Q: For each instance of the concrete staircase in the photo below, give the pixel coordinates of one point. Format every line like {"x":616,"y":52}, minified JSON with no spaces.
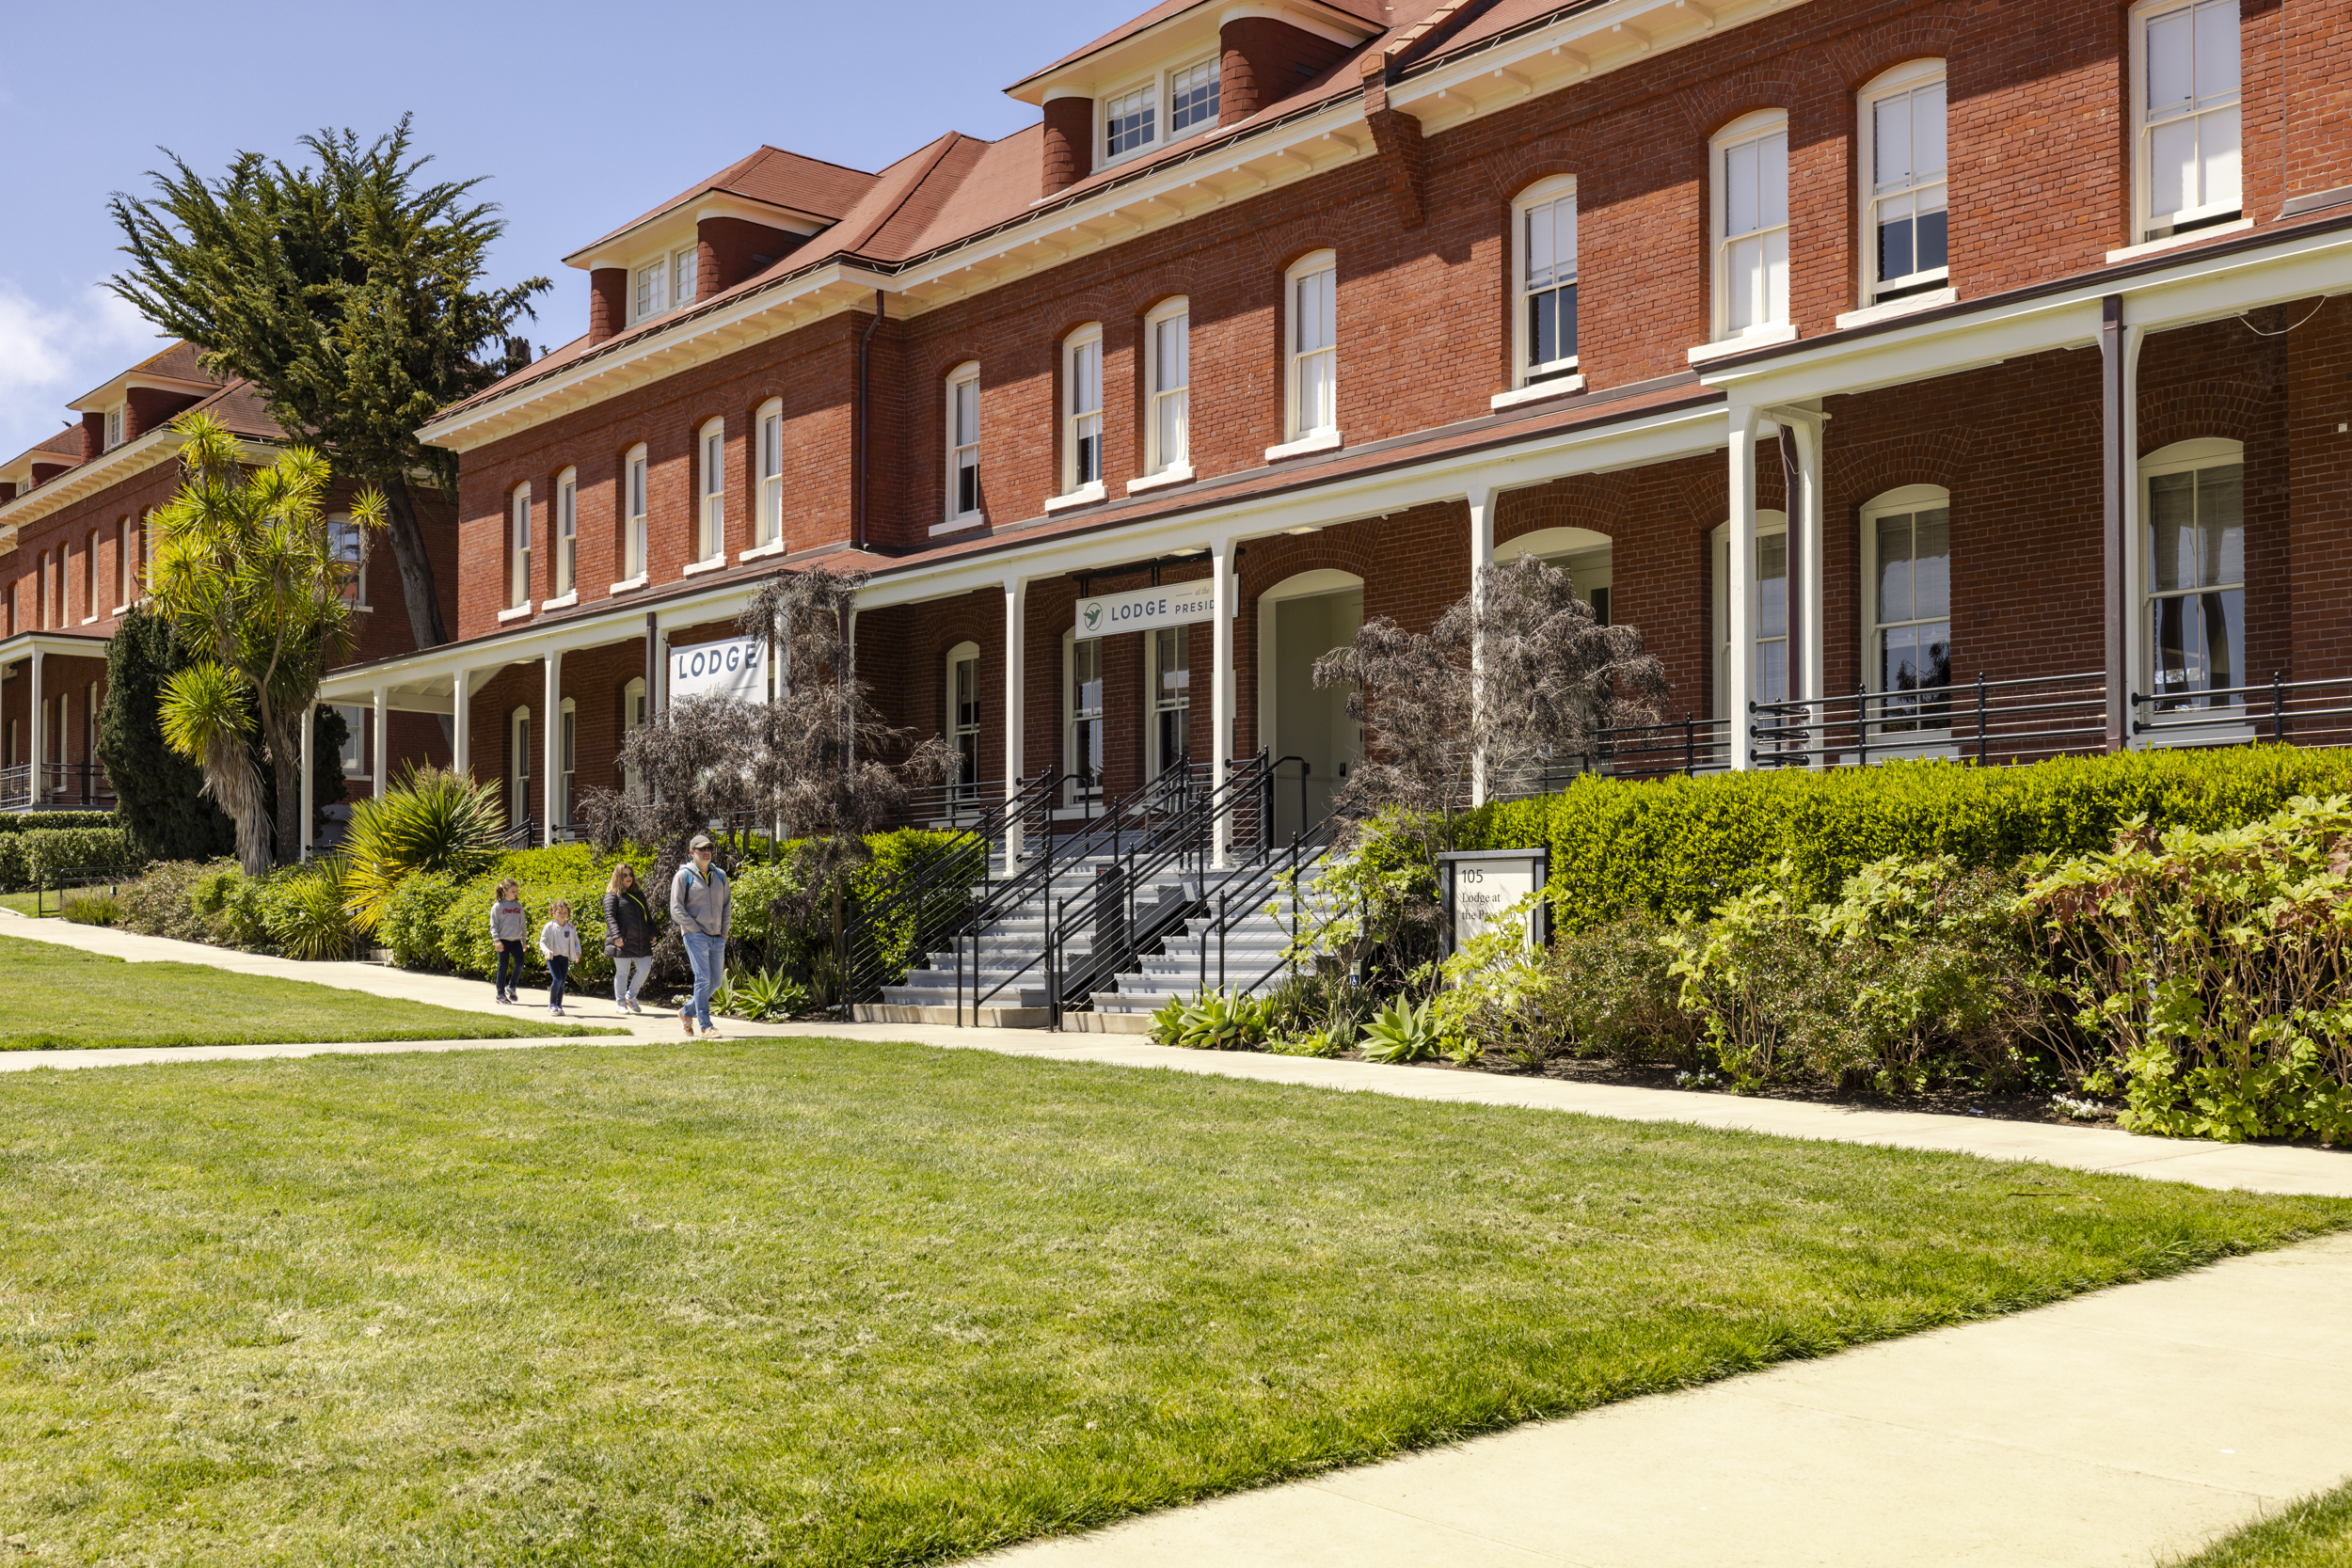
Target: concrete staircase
{"x":1253,"y":946}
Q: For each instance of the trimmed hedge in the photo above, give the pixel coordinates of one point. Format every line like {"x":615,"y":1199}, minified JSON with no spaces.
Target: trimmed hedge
{"x":22,"y":821}
{"x":1690,"y":844}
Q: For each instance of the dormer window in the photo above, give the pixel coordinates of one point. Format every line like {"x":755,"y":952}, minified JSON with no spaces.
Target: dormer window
{"x":664,"y":285}
{"x":114,"y":428}
{"x":1185,"y":99}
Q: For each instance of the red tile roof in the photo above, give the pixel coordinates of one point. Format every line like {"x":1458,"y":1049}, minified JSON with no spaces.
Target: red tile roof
{"x":1372,"y":13}
{"x":774,"y":178}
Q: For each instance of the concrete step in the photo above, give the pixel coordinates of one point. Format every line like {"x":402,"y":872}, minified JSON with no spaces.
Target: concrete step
{"x":945,"y":996}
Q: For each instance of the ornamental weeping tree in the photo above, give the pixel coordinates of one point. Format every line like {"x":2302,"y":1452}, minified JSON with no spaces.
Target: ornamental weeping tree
{"x":250,"y":580}
{"x":349,"y":295}
{"x":1553,"y":678}
{"x":828,"y":769}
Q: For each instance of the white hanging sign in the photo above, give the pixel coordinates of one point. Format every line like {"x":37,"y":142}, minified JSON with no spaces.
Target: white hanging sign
{"x":1179,"y":604}
{"x":735,"y":668}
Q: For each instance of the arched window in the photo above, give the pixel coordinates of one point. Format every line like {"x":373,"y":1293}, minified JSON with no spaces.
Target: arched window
{"x":711,"y":511}
{"x":1904,"y":235}
{"x":1169,"y":673}
{"x":1082,"y":716}
{"x":962,"y":697}
{"x":634,"y":480}
{"x":769,"y":529}
{"x":1168,"y":381}
{"x":1768,"y":616}
{"x":1750,"y":159}
{"x":566,"y":750}
{"x":1585,"y":556}
{"x":1907,"y":607}
{"x":518,"y":768}
{"x":632,"y":720}
{"x":964,"y":499}
{"x":1082,"y":412}
{"x":1312,"y":337}
{"x":1542,"y":235}
{"x":518,"y":550}
{"x":2192,"y":572}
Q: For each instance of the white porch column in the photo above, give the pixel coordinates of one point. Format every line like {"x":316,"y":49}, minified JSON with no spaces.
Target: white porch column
{"x":2136,"y":656}
{"x":1808,"y":678}
{"x":461,"y":724}
{"x":310,"y":768}
{"x":1016,"y":679}
{"x":380,"y":719}
{"x":1221,"y":686}
{"x":1482,"y":556}
{"x":39,"y":759}
{"x":551,"y":745}
{"x":1740,"y":586}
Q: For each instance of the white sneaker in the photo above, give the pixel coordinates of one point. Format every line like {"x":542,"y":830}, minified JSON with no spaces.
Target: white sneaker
{"x":712,"y":1035}
{"x":557,"y":1012}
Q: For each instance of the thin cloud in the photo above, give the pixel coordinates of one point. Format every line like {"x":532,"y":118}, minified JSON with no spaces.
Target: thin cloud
{"x":53,"y":351}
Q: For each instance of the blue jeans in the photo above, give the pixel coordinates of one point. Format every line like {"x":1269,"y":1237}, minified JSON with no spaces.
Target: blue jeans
{"x":559,"y":968}
{"x":628,"y":974}
{"x":707,"y":954}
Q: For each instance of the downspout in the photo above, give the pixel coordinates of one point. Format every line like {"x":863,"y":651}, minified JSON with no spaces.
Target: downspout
{"x":864,"y":344}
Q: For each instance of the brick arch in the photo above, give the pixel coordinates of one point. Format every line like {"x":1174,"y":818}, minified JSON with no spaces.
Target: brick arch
{"x":1778,"y":83}
{"x":2231,"y":407}
{"x":1598,"y":502}
{"x":1865,"y":53}
{"x":1854,"y":474}
{"x":1512,"y":170}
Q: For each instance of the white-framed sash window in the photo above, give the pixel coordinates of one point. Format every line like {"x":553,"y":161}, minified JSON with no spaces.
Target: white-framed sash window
{"x":1311,"y":293}
{"x":1083,"y":717}
{"x":1171,"y":674}
{"x":1168,"y":372}
{"x":1768,"y":616}
{"x":346,"y":542}
{"x":1082,"y":410}
{"x":665,"y":283}
{"x":632,"y":720}
{"x":1193,"y":93}
{"x":2186,"y":103}
{"x":567,"y":757}
{"x":113,"y":427}
{"x":1752,"y":225}
{"x":963,"y":717}
{"x":354,"y":753}
{"x":1905,"y":221}
{"x":2193,"y":574}
{"x":633,"y":486}
{"x":566,"y":531}
{"x":771,"y":472}
{"x":518,"y":549}
{"x":1545,"y":239}
{"x":963,"y":443}
{"x":519,"y":771}
{"x":1907,"y":585}
{"x":1131,"y":121}
{"x":712,"y":511}
{"x":126,"y":574}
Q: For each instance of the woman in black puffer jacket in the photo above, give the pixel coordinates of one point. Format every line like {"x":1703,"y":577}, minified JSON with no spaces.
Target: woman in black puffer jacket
{"x":627,"y":935}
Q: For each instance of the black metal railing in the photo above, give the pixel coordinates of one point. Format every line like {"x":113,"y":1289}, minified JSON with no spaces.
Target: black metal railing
{"x":56,"y":786}
{"x":1247,"y":890}
{"x":2020,"y":719}
{"x":929,"y":906}
{"x":2300,"y":713}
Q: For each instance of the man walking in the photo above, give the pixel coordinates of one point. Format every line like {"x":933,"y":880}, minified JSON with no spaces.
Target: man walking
{"x":701,"y":903}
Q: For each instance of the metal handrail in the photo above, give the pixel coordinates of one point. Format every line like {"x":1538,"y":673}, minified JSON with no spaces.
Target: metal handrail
{"x":2285,"y":708}
{"x":863,"y":961}
{"x":2026,"y":716}
{"x":1259,"y":882}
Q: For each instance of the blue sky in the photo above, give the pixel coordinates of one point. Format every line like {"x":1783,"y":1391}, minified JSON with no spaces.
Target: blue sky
{"x":583,"y":115}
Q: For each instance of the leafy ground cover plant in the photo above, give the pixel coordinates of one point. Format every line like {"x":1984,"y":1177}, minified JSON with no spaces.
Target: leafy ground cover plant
{"x":2215,"y":971}
{"x":1405,"y":1031}
{"x":1212,"y":1021}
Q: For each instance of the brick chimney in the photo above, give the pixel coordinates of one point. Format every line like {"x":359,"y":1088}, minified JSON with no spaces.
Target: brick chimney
{"x":1264,"y":62}
{"x":608,"y":302}
{"x":1069,"y":142}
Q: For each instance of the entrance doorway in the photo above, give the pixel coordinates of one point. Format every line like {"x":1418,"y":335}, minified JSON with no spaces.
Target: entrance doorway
{"x":1581,"y":553}
{"x":1299,"y":620}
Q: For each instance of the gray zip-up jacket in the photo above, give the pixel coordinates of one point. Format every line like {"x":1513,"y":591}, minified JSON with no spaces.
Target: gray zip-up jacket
{"x":702,"y":906}
{"x":507,"y":920}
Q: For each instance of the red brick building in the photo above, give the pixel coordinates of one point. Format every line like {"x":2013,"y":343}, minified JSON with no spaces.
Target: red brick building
{"x":1850,"y":349}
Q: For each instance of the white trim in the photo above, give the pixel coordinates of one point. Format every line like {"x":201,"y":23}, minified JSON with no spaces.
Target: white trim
{"x":1181,"y":474}
{"x":519,"y":546}
{"x":1902,"y":80}
{"x":517,"y":614}
{"x":2190,"y":456}
{"x":628,"y":585}
{"x":1904,"y":500}
{"x":710,"y":492}
{"x":958,"y":515}
{"x":1081,"y":373}
{"x":564,"y":527}
{"x":957,"y":525}
{"x":1085,"y":495}
{"x":1322,"y":441}
{"x":760,"y":553}
{"x":1759,"y":131}
{"x":696,"y":568}
{"x":1763,"y":337}
{"x":564,"y":603}
{"x":768,"y":476}
{"x":1296,"y":361}
{"x":636,"y":539}
{"x":1156,"y":460}
{"x":1908,"y":305}
{"x":2143,"y":216}
{"x":2171,"y":241}
{"x":1543,"y":192}
{"x":1537,"y":392}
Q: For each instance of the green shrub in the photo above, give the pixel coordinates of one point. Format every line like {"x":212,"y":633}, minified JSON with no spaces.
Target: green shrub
{"x":49,"y":851}
{"x":91,"y":906}
{"x":409,"y":925}
{"x":2214,"y":970}
{"x":22,"y":821}
{"x":160,"y":904}
{"x":567,"y":871}
{"x":305,"y":912}
{"x":1680,"y":845}
{"x":431,"y":821}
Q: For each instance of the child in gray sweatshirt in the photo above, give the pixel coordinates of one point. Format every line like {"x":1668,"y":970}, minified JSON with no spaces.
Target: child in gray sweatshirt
{"x":558,"y":943}
{"x":508,"y":923}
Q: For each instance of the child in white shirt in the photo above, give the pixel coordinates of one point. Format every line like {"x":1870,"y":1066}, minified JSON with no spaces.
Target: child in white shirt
{"x":558,"y":943}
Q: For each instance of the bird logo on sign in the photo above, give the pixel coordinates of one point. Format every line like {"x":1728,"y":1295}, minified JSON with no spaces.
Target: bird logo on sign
{"x":1093,"y":616}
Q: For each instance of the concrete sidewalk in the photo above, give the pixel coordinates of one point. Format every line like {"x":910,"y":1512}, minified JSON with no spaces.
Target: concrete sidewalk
{"x":2255,"y":1167}
{"x":2111,"y":1431}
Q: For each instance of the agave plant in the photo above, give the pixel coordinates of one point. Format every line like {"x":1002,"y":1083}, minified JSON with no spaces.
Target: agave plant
{"x":761,"y":997}
{"x":431,"y":819}
{"x":308,"y":919}
{"x":1405,"y":1033}
{"x":1212,"y":1021}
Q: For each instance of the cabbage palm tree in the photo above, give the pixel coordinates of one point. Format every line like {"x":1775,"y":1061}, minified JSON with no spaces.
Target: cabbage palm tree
{"x":245,"y":573}
{"x":431,"y":819}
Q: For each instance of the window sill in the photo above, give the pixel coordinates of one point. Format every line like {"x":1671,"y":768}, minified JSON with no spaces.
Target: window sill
{"x":1085,"y":495}
{"x":627,"y":585}
{"x":761,"y":552}
{"x":1895,"y":307}
{"x":120,"y":610}
{"x":2224,"y":727}
{"x":957,"y":525}
{"x":696,"y":568}
{"x":1537,"y":392}
{"x":2173,"y":242}
{"x":1755,"y":337}
{"x":564,"y":603}
{"x":1321,"y":440}
{"x":1175,"y":473}
{"x":519,"y":613}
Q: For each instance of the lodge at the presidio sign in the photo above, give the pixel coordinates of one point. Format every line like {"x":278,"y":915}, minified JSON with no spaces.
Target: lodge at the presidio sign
{"x":1179,"y":604}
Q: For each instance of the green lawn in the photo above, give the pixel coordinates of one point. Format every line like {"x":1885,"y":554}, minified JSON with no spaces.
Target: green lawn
{"x":798,"y":1302}
{"x":55,"y":998}
{"x":2314,"y":1532}
{"x":22,"y":903}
